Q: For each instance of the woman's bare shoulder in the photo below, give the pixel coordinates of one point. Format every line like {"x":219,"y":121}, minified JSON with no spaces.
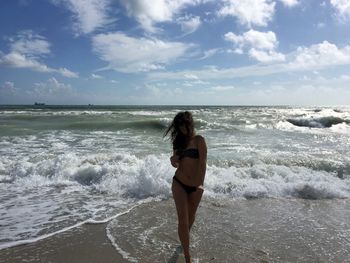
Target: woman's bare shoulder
{"x":199,"y":138}
{"x":200,"y":141}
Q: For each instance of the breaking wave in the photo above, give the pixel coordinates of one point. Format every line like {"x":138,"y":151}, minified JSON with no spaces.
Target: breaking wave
{"x":322,"y":122}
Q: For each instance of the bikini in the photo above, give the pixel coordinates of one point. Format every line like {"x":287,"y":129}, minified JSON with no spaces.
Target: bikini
{"x":191,"y":153}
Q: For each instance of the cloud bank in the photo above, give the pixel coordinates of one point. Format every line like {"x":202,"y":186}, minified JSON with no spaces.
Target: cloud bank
{"x":128,"y":54}
{"x":259,"y":45}
{"x":149,"y":13}
{"x":87,"y":16}
{"x":27,"y":50}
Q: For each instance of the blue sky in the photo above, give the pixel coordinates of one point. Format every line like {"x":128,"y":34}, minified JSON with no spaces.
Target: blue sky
{"x":183,"y":52}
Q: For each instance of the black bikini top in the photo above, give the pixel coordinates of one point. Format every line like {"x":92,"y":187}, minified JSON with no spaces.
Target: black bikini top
{"x":191,"y":153}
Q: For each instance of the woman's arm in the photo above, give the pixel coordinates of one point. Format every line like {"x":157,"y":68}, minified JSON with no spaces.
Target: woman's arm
{"x":174,"y":160}
{"x":202,"y":162}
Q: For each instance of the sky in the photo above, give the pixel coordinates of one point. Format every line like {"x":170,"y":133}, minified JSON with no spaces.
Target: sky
{"x":175,"y":52}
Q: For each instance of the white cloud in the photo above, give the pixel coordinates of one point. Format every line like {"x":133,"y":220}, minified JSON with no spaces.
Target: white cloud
{"x":189,"y":24}
{"x":192,"y":80}
{"x":171,"y":96}
{"x":344,"y":77}
{"x":51,"y":91}
{"x":67,"y":73}
{"x":211,"y":52}
{"x":30,"y":44}
{"x":278,"y":92}
{"x":88,"y":15}
{"x":320,"y":25}
{"x":8,"y":87}
{"x":51,"y":87}
{"x":249,"y":12}
{"x":95,"y":76}
{"x":316,"y":57}
{"x":319,"y":56}
{"x":26,"y":51}
{"x":8,"y":93}
{"x":302,"y":94}
{"x":260,"y":45}
{"x":128,"y":54}
{"x":17,"y":60}
{"x":342,"y":7}
{"x":191,"y":76}
{"x":256,"y":39}
{"x":222,"y":88}
{"x":266,"y":55}
{"x":290,"y":3}
{"x":193,"y":83}
{"x":148,"y":13}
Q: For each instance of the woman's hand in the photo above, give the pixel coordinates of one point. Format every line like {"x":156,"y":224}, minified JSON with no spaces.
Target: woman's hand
{"x":174,"y":160}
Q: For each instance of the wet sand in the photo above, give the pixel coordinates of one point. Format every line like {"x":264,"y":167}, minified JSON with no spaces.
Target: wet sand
{"x":87,"y":243}
{"x":258,"y":230}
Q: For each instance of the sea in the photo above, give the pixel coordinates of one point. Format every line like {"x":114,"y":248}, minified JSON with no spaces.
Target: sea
{"x":65,"y":166}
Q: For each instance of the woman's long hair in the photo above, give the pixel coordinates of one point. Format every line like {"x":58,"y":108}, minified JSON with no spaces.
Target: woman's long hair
{"x":178,"y":139}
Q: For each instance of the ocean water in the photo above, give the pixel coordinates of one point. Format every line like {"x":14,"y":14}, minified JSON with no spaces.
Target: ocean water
{"x":64,"y":166}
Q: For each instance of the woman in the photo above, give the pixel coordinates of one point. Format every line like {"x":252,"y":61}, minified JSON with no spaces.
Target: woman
{"x":189,"y":157}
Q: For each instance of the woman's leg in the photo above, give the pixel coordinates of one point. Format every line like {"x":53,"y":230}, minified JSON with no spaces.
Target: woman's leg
{"x":180,"y":198}
{"x":193,"y":202}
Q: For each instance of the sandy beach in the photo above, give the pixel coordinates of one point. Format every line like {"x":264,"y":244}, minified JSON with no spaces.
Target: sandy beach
{"x":258,"y":230}
{"x":87,"y":243}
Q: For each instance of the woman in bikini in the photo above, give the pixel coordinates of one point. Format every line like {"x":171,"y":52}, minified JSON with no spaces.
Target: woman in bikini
{"x":189,"y":157}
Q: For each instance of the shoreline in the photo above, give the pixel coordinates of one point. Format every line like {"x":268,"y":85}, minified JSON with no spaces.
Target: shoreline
{"x":236,"y":230}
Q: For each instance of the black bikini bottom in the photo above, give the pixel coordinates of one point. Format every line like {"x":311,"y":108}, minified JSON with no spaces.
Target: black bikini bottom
{"x":188,"y":189}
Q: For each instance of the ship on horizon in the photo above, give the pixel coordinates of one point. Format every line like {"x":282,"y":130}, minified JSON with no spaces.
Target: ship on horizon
{"x":39,"y":104}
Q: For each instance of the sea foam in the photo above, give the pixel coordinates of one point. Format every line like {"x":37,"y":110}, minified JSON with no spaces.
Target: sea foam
{"x":59,"y":168}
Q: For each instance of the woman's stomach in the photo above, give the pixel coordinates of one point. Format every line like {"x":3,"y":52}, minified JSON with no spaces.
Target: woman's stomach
{"x":186,"y":173}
